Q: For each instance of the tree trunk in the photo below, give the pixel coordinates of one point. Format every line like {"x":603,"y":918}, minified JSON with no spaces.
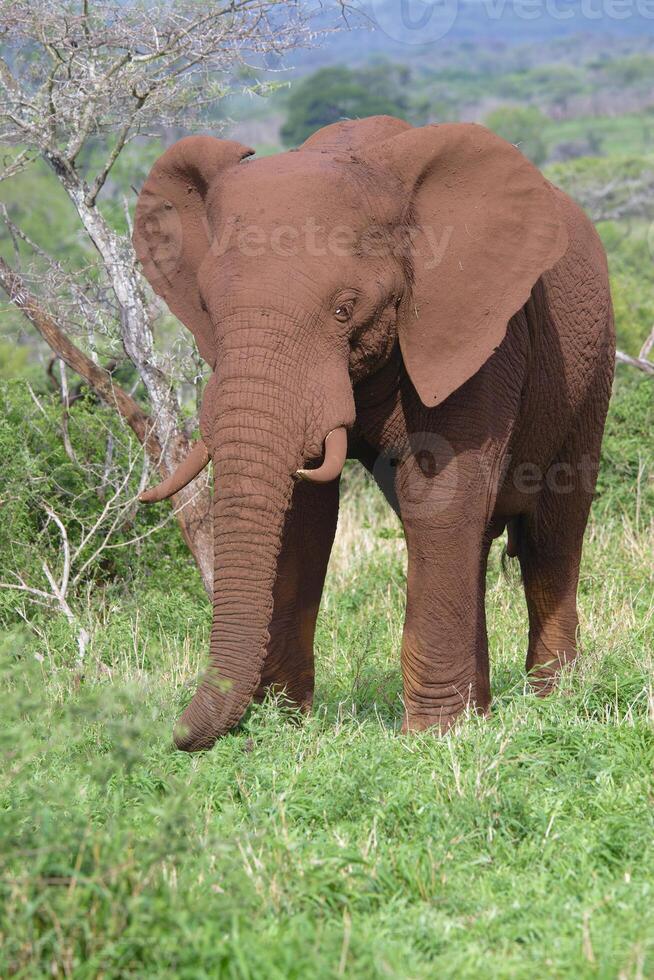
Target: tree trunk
{"x":193,"y":507}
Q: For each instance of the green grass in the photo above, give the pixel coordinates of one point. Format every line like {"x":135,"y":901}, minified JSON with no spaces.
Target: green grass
{"x":520,"y":846}
{"x":624,"y":135}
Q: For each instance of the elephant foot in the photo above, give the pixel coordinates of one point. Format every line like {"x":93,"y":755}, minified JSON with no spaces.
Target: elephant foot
{"x":296,"y":693}
{"x":440,"y":722}
{"x":422,"y":713}
{"x":544,"y":668}
{"x":441,"y":725}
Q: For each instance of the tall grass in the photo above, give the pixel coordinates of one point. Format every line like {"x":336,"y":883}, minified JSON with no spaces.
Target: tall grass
{"x":517,"y":846}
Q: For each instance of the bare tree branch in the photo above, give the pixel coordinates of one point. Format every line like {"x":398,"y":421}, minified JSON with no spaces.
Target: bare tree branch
{"x":192,"y":506}
{"x":647,"y":346}
{"x":118,"y":146}
{"x":99,"y":379}
{"x":58,"y":594}
{"x":638,"y":362}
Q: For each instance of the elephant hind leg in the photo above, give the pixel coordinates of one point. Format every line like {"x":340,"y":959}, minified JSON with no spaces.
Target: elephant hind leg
{"x":482,"y":672}
{"x":549,"y":548}
{"x":550,"y":582}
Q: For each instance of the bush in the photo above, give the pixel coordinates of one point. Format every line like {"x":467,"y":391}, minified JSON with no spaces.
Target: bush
{"x":626,"y":478}
{"x":331,"y":94}
{"x":522,"y":126}
{"x":41,"y":479}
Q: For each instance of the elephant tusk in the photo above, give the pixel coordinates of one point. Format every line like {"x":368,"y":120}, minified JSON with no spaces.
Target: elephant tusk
{"x":187,"y":470}
{"x":334,"y":461}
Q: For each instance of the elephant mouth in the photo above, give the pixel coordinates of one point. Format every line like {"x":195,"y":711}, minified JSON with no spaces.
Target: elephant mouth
{"x":335,"y":453}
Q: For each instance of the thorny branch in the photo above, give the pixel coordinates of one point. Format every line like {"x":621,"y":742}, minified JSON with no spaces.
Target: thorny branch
{"x":99,"y":379}
{"x":83,"y":79}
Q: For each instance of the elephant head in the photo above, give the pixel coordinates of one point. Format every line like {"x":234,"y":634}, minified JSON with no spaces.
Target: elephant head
{"x":298,"y":274}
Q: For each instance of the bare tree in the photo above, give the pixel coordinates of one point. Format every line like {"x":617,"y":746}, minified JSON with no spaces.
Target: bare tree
{"x":80,"y":80}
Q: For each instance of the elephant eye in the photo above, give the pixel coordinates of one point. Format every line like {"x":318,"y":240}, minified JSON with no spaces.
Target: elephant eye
{"x":343,"y":311}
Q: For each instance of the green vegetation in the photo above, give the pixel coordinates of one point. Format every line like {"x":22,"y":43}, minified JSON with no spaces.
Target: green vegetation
{"x":632,"y":281}
{"x":624,"y":134}
{"x":625,"y":486}
{"x":516,"y":846}
{"x":523,"y":126}
{"x":549,"y":104}
{"x":337,"y":93}
{"x":631,"y":69}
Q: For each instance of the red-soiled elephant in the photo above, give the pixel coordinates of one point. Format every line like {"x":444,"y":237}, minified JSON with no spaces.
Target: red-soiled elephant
{"x":420,"y":299}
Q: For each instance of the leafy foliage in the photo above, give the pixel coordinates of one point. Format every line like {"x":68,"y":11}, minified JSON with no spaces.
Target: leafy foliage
{"x":626,"y":481}
{"x":337,"y":93}
{"x":609,"y":188}
{"x":631,"y":267}
{"x":522,"y":126}
{"x":39,"y":476}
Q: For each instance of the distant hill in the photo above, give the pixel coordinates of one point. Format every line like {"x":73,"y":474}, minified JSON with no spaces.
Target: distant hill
{"x":398,"y":29}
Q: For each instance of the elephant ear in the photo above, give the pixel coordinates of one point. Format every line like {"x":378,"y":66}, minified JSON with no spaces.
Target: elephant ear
{"x":354,"y":134}
{"x":484,"y":225}
{"x":171,"y":232}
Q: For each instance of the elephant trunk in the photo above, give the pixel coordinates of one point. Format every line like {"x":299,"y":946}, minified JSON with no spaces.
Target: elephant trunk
{"x":257,"y":446}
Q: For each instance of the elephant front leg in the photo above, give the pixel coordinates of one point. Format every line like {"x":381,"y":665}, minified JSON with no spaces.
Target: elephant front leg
{"x":444,"y":647}
{"x":306,"y":545}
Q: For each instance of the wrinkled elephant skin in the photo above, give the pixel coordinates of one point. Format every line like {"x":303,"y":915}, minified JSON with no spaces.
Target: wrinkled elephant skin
{"x":424,"y":301}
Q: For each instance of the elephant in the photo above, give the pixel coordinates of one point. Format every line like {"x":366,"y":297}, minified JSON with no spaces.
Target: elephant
{"x":420,"y":299}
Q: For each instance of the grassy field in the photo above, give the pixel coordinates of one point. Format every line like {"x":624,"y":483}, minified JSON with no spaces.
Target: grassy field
{"x":618,"y":135}
{"x":519,"y":846}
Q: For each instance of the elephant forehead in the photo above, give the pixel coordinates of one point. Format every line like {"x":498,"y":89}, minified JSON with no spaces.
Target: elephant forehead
{"x":290,"y":187}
